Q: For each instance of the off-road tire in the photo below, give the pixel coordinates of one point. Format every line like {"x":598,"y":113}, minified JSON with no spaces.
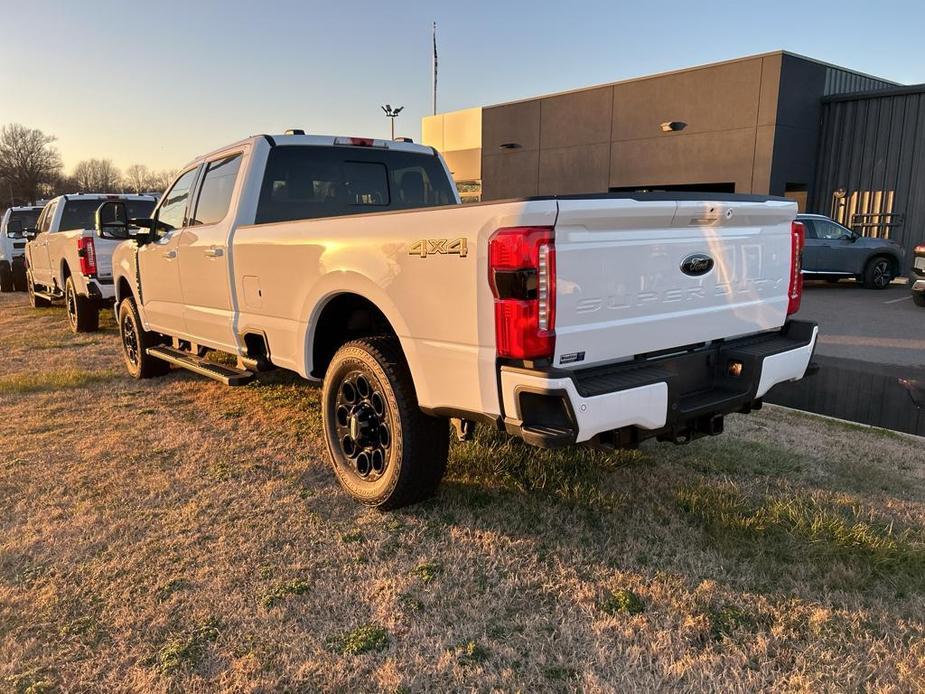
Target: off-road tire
{"x":415,"y":458}
{"x":878,"y":273}
{"x":6,"y":277}
{"x":137,"y":360}
{"x":919,"y":299}
{"x":19,"y":277}
{"x":35,"y":301}
{"x":83,"y":314}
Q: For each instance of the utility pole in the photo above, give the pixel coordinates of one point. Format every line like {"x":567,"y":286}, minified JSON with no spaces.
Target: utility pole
{"x":392,"y":114}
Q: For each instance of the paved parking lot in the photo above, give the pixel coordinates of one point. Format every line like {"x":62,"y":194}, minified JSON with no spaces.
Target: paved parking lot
{"x":884,"y":327}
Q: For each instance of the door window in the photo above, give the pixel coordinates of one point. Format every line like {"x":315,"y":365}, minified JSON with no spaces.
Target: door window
{"x":216,"y":190}
{"x":831,"y":231}
{"x":47,"y":215}
{"x":172,"y":211}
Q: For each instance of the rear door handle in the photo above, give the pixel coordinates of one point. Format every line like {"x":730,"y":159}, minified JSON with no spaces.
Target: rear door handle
{"x":170,"y":255}
{"x":215,"y":252}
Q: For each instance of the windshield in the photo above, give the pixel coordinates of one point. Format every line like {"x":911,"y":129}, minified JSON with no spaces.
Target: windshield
{"x":81,"y":214}
{"x":20,"y":220}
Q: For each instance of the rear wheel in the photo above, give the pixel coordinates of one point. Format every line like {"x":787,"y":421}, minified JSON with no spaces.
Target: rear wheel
{"x":34,"y":301}
{"x":879,"y":273}
{"x":135,"y":342}
{"x":6,"y":277}
{"x":385,"y":452}
{"x":83,"y":314}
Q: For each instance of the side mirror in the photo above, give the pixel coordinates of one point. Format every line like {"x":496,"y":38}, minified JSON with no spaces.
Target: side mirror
{"x":112,"y":220}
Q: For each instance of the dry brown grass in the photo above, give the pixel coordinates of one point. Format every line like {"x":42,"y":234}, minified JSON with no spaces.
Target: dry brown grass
{"x":174,"y":535}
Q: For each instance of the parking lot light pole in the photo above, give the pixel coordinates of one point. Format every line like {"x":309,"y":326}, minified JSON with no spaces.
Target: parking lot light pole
{"x":392,"y":114}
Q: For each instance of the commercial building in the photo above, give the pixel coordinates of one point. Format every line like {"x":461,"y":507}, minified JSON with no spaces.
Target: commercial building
{"x":837,"y":141}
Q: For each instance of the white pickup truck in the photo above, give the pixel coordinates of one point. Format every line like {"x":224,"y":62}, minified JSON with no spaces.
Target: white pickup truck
{"x":65,"y":260}
{"x":603,"y":319}
{"x":13,"y":226}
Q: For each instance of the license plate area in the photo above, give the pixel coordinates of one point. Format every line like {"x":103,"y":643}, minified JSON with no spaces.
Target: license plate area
{"x":920,"y":264}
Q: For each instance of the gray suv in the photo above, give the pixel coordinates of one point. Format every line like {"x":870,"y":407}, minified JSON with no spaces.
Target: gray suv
{"x":834,"y":252}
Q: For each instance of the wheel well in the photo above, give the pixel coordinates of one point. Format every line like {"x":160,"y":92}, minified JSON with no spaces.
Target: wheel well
{"x":123,"y":289}
{"x":345,"y":317}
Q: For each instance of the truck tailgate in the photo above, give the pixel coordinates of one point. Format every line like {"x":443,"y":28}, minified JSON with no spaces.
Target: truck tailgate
{"x":621,"y":290}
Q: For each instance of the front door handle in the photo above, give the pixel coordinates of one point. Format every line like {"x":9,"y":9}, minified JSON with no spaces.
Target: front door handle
{"x":215,"y":252}
{"x":170,"y":255}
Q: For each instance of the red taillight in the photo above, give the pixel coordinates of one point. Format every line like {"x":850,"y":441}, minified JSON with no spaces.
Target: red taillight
{"x":86,"y":251}
{"x":795,"y":291}
{"x":522,"y":273}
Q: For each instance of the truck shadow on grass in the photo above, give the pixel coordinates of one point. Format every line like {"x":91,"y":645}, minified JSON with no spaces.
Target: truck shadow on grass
{"x":742,"y":512}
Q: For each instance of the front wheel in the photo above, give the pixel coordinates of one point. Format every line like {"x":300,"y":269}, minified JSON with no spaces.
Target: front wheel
{"x":879,"y":273}
{"x":6,"y":277}
{"x":135,"y":343}
{"x":83,"y":314}
{"x":385,"y":451}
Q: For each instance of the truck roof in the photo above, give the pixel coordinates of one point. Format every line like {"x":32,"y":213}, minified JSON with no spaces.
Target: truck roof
{"x":322,"y":141}
{"x":103,"y":196}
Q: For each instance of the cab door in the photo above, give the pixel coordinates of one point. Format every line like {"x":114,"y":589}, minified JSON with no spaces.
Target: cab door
{"x":158,"y":264}
{"x":37,"y":249}
{"x":205,"y":254}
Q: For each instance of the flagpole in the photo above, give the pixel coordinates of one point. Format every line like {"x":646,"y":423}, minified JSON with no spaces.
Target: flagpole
{"x":435,"y":70}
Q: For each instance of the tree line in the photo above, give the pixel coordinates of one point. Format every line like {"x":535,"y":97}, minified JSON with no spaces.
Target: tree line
{"x":31,"y":169}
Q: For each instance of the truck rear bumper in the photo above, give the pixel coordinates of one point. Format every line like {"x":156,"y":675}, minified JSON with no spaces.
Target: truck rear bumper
{"x":676,"y":397}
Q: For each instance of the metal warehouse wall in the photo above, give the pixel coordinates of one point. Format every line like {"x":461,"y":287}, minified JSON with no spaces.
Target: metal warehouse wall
{"x":870,"y":172}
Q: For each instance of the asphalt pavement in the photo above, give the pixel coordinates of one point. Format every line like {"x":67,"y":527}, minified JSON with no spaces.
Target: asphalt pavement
{"x":884,"y":327}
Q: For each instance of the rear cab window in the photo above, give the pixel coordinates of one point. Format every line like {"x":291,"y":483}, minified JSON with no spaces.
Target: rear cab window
{"x":306,"y":182}
{"x":81,"y":214}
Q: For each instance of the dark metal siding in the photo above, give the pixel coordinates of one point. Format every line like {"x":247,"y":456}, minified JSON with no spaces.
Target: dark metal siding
{"x":872,"y":147}
{"x":838,"y":81}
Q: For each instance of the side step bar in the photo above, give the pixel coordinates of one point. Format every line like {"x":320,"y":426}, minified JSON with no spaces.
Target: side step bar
{"x":228,"y":375}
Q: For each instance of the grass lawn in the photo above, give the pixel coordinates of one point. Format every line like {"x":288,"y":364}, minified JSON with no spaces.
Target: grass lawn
{"x":176,"y":535}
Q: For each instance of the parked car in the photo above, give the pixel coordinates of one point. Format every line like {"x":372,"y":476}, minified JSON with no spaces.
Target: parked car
{"x":66,"y":261}
{"x":13,"y":246}
{"x":601,"y":319}
{"x":917,"y":275}
{"x":835,"y":252}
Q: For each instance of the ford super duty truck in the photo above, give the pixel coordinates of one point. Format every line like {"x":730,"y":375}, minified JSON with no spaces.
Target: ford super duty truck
{"x":65,"y":260}
{"x":13,"y":226}
{"x":600,"y":319}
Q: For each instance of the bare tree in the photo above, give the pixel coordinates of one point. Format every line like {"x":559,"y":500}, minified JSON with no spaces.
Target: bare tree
{"x":98,"y":176}
{"x":138,"y":178}
{"x":160,"y":180}
{"x":28,"y":161}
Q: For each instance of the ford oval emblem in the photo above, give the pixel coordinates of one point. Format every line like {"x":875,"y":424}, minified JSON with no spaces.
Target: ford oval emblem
{"x":697,"y":264}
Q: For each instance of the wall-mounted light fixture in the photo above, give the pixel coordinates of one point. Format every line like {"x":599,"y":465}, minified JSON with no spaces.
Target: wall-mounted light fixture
{"x":673,"y":126}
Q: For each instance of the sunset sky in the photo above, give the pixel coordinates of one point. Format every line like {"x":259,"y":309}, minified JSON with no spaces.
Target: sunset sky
{"x":164,"y":81}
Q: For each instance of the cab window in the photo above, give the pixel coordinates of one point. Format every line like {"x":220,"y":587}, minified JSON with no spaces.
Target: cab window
{"x":216,"y":190}
{"x":172,"y":212}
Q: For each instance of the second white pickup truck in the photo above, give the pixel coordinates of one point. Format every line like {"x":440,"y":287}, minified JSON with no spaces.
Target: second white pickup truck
{"x":603,"y":319}
{"x":65,"y":259}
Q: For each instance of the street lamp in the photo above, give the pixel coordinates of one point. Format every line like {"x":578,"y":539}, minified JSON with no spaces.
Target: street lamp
{"x":392,"y":114}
